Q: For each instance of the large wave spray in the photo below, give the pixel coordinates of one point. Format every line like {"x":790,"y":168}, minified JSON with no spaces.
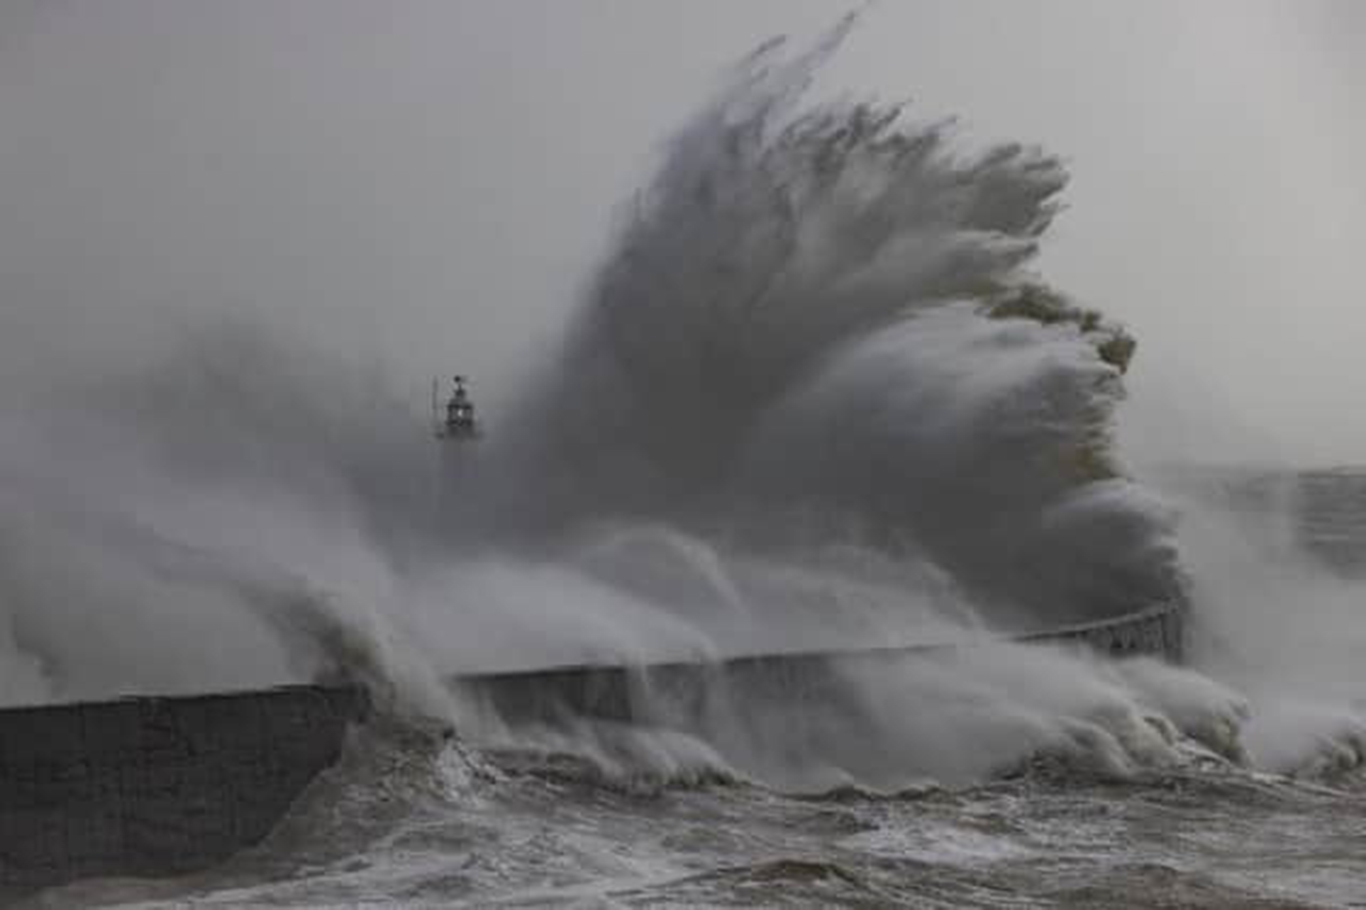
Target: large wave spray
{"x":814,"y":398}
{"x":818,"y":326}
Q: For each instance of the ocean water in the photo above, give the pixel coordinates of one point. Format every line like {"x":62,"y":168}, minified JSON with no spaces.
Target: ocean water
{"x":816,"y":396}
{"x":606,"y":817}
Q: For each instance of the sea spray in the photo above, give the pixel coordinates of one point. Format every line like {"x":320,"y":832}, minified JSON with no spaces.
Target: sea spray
{"x":829,"y":312}
{"x":815,"y":397}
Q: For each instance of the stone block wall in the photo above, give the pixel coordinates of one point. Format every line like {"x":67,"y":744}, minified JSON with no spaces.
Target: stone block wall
{"x":678,"y":694}
{"x":156,"y":786}
{"x":1157,"y":631}
{"x":160,"y":786}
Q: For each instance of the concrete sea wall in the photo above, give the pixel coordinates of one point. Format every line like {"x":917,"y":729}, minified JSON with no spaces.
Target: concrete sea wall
{"x":161,"y":786}
{"x":156,"y":786}
{"x":685,"y":694}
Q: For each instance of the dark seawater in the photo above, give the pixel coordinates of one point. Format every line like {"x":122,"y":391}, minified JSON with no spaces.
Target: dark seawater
{"x":611,"y":818}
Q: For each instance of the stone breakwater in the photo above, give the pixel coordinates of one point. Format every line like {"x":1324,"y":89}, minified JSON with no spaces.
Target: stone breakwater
{"x":163,"y":786}
{"x":684,"y":694}
{"x":156,"y":786}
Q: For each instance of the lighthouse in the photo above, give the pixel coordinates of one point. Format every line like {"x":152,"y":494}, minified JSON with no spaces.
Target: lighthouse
{"x":454,"y":458}
{"x":458,"y":422}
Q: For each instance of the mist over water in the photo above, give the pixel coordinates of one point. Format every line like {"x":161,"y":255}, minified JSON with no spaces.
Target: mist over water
{"x":815,"y":397}
{"x":1279,"y":610}
{"x":809,"y":401}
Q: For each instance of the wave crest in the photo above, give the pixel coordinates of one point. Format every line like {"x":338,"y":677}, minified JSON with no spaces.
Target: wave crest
{"x":830,"y":309}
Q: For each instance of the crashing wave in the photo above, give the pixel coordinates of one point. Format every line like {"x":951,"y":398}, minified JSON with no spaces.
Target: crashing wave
{"x":815,"y":394}
{"x":828,"y":312}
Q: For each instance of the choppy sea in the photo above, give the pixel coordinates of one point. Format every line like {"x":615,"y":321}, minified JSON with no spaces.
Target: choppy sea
{"x":415,"y":819}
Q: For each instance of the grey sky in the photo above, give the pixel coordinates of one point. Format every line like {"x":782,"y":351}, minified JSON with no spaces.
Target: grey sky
{"x":430,"y":182}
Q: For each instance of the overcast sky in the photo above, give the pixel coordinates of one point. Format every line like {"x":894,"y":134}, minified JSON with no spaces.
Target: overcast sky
{"x":431,"y":182}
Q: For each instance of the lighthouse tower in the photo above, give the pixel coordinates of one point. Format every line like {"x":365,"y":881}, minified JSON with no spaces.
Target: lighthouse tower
{"x":456,"y":429}
{"x":458,"y":421}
